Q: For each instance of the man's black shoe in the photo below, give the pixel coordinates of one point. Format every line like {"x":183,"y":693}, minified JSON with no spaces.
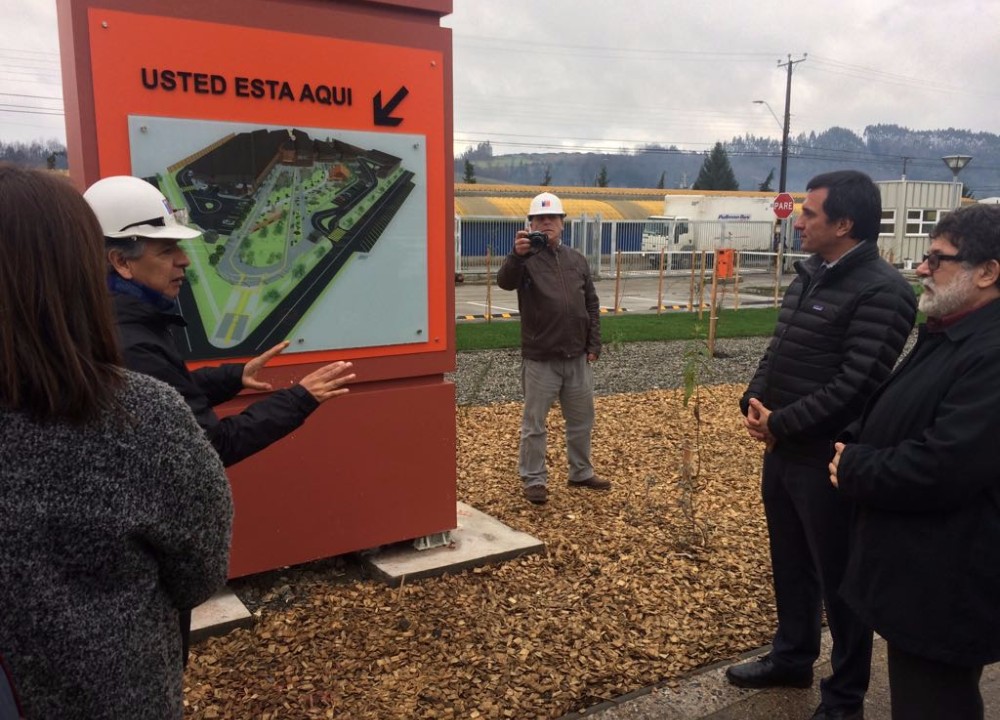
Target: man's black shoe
{"x":762,"y":674}
{"x":857,"y":712}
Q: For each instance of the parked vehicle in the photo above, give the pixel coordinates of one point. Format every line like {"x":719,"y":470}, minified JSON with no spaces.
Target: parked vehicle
{"x":700,"y":222}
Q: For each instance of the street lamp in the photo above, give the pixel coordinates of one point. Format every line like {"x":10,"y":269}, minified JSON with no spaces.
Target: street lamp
{"x":784,"y":138}
{"x":955,"y":163}
{"x":765,"y":104}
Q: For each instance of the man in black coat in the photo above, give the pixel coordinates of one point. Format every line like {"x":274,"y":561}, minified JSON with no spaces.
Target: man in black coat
{"x":921,"y":467}
{"x":146,"y":270}
{"x":843,"y":322}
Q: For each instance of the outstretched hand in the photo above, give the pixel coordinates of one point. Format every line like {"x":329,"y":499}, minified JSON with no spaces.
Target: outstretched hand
{"x":328,"y":381}
{"x":253,"y":367}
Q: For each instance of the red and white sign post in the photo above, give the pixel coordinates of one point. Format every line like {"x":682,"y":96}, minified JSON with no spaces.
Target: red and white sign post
{"x":783,"y":205}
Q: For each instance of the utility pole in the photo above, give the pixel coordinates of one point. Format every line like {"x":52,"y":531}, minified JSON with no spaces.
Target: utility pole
{"x":784,"y":133}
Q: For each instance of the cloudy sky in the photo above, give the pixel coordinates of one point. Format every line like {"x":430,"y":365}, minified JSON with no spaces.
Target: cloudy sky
{"x":534,"y":75}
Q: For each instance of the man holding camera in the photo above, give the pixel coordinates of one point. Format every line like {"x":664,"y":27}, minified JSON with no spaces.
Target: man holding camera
{"x":560,"y":338}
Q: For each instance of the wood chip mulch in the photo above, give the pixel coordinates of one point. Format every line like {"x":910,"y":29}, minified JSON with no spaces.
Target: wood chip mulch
{"x":665,"y":573}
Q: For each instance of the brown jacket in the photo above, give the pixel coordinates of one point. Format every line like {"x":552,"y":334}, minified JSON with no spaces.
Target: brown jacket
{"x":560,"y":311}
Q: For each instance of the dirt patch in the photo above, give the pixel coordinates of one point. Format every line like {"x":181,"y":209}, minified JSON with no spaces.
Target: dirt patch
{"x":633,"y":590}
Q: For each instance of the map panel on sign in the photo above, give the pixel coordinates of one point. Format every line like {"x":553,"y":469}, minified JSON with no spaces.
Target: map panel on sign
{"x":316,"y":236}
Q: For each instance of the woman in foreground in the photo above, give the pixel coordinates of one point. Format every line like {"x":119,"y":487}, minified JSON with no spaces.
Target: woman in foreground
{"x":115,"y":512}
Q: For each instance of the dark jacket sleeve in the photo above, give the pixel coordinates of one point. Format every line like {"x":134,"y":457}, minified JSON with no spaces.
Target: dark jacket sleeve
{"x":756,"y":387}
{"x":510,"y":273}
{"x":874,"y":338}
{"x":594,"y":311}
{"x":948,"y":465}
{"x":219,"y":384}
{"x":237,"y":437}
{"x":153,"y":359}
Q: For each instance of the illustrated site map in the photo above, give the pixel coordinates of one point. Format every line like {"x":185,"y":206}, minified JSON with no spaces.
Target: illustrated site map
{"x":281,"y":214}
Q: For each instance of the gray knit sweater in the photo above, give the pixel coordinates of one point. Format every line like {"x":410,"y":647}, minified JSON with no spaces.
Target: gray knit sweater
{"x":105,"y":531}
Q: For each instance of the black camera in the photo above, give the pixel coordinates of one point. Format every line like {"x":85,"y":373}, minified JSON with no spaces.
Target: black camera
{"x":538,"y":240}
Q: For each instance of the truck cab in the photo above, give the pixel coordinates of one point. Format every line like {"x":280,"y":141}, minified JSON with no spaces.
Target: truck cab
{"x":663,"y":233}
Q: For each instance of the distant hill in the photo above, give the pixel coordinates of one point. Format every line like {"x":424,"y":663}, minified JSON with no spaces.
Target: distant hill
{"x":51,"y":154}
{"x":881,"y":152}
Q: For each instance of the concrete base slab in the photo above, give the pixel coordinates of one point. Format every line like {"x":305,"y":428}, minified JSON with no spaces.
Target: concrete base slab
{"x":478,"y":540}
{"x":218,"y":615}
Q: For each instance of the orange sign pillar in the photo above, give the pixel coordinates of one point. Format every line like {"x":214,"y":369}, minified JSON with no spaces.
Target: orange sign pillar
{"x":312,"y":144}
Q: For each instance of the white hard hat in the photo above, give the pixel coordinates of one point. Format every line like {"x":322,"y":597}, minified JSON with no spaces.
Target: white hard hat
{"x":129,"y":207}
{"x":545,"y":204}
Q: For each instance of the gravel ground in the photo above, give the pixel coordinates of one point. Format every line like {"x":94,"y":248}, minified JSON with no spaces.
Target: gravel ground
{"x":490,"y":376}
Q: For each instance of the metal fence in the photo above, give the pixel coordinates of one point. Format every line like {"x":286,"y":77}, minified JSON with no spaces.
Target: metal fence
{"x":615,"y":247}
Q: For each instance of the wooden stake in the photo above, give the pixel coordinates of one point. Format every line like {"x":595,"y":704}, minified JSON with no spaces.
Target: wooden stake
{"x":659,"y":290}
{"x":713,"y":316}
{"x":618,"y":281}
{"x":701,"y":284}
{"x":691,"y":288}
{"x":736,"y":281}
{"x":489,"y":287}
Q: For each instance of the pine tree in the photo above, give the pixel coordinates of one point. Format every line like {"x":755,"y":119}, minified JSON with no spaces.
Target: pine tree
{"x":602,"y":177}
{"x":716,"y":173}
{"x":547,"y":180}
{"x":470,"y":172}
{"x":663,"y":181}
{"x":766,"y":185}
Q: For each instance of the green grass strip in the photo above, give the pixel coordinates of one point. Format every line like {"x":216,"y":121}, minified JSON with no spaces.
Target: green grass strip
{"x":616,"y":329}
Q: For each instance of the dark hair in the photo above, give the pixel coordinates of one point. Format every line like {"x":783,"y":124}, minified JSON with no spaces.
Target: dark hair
{"x":851,"y":195}
{"x":59,"y":353}
{"x":974,"y":230}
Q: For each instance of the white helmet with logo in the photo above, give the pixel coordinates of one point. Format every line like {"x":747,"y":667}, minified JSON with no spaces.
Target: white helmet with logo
{"x":130,"y":208}
{"x":545,"y":204}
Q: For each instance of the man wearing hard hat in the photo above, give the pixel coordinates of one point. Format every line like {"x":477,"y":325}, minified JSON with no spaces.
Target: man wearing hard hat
{"x":560,"y":338}
{"x":146,"y":267}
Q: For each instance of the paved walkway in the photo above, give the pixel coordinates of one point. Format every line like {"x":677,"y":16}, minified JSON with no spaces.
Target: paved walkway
{"x":708,"y":696}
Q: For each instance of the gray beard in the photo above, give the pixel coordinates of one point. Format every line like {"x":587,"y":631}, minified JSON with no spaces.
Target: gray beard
{"x":952,"y":298}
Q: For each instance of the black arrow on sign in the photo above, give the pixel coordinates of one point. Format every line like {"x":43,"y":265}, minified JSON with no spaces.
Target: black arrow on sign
{"x":383,"y":113}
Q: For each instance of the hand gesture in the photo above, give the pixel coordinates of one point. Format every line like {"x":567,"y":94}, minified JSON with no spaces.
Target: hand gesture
{"x":328,"y":381}
{"x":253,"y":367}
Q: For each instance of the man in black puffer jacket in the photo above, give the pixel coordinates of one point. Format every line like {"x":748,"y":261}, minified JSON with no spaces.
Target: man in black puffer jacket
{"x":843,"y":323}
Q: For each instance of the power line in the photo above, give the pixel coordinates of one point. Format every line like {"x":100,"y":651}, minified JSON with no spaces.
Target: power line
{"x":36,"y":97}
{"x":32,"y":112}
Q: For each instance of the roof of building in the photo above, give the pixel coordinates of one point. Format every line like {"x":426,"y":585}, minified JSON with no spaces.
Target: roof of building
{"x":476,"y":200}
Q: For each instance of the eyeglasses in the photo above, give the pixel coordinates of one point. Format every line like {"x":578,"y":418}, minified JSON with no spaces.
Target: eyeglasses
{"x":934,"y":260}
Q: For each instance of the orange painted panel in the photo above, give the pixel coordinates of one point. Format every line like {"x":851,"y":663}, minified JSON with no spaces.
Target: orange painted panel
{"x":166,"y":67}
{"x":385,"y":472}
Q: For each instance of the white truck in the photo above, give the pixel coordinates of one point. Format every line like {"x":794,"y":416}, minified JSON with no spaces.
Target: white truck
{"x":705,"y":222}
